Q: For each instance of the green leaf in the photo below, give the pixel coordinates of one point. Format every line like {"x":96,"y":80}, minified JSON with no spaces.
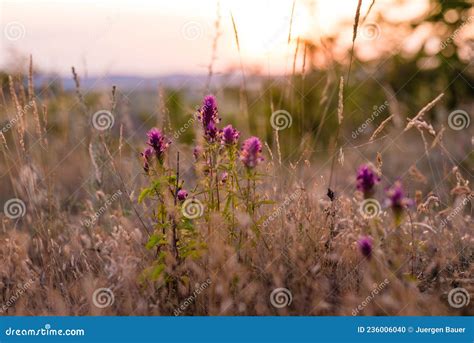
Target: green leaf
{"x":153,"y":241}
{"x":188,"y":224}
{"x":144,"y":194}
{"x":227,"y":204}
{"x":266,"y":202}
{"x":157,"y":271}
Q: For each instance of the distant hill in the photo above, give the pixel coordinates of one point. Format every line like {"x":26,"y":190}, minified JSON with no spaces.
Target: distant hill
{"x":130,"y":82}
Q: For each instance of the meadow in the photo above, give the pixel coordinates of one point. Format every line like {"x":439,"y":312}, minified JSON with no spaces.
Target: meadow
{"x":318,"y":193}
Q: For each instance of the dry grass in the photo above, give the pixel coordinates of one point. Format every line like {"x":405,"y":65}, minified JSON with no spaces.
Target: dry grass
{"x":310,"y":248}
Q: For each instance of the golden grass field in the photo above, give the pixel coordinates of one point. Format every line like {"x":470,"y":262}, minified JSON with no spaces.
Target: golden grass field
{"x":290,"y":234}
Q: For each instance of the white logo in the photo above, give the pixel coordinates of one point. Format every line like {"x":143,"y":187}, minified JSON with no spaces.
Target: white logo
{"x":370,"y":31}
{"x":103,"y":120}
{"x":369,"y":208}
{"x":458,"y":120}
{"x":281,"y":297}
{"x":192,"y":208}
{"x":14,"y":208}
{"x":14,"y":31}
{"x":458,"y":297}
{"x":192,"y":30}
{"x":281,"y":120}
{"x":103,"y":297}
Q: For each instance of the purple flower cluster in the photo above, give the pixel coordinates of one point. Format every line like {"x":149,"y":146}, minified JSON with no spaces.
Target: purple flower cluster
{"x":157,"y":145}
{"x":229,"y":135}
{"x":251,"y":152}
{"x":158,"y":142}
{"x":366,"y":180}
{"x":209,"y":117}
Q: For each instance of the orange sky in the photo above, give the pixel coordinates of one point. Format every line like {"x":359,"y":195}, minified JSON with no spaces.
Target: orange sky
{"x":160,"y":37}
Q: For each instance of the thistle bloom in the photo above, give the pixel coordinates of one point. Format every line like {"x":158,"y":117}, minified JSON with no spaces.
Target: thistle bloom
{"x":396,"y":200}
{"x":396,"y":197}
{"x":366,"y":180}
{"x":365,"y":246}
{"x":147,"y":155}
{"x":229,"y":135}
{"x":209,"y":117}
{"x":250,"y":154}
{"x":182,"y":194}
{"x":158,"y":142}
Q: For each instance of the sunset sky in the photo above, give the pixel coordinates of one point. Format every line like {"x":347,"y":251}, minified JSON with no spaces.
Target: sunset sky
{"x":147,"y":38}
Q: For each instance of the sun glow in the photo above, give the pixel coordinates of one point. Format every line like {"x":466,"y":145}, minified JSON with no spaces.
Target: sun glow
{"x":173,"y":36}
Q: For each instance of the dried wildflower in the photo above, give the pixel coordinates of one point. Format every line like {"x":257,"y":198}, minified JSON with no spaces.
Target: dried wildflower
{"x":158,"y":142}
{"x":365,"y":246}
{"x":182,"y":194}
{"x":147,"y":155}
{"x":209,"y":117}
{"x":229,"y":135}
{"x":366,"y":180}
{"x":250,"y":154}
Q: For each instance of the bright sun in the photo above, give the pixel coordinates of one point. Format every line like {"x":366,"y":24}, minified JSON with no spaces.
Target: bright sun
{"x":263,"y":25}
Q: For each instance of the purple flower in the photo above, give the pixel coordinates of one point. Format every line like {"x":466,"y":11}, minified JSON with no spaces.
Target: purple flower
{"x":158,"y":142}
{"x":250,"y":155}
{"x":397,"y":201}
{"x":182,"y":194}
{"x":229,"y":135}
{"x":147,"y":154}
{"x":366,"y":180}
{"x":365,"y":246}
{"x":211,"y":131}
{"x":209,"y":117}
{"x":396,"y":197}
